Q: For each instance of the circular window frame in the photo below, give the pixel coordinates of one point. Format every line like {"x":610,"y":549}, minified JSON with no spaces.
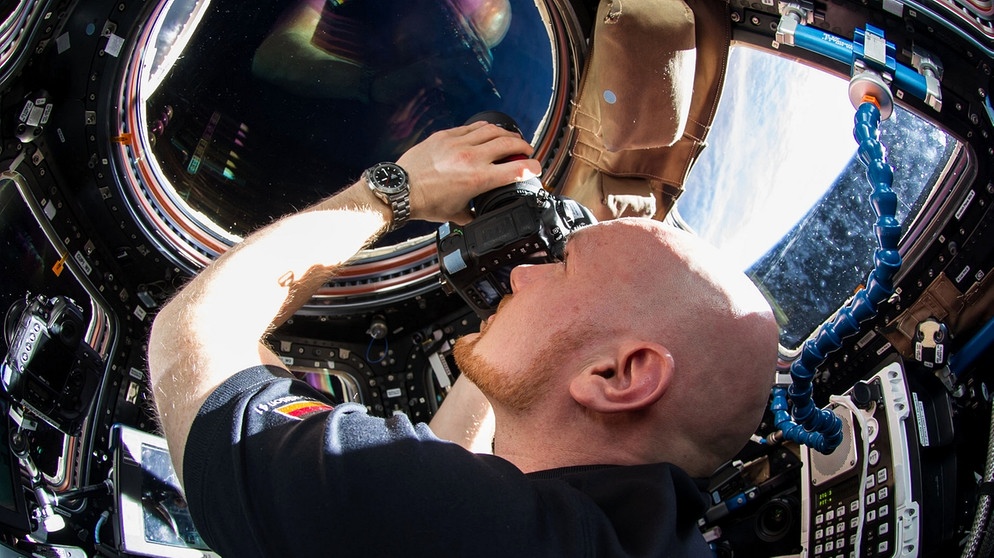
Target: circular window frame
{"x":192,"y":242}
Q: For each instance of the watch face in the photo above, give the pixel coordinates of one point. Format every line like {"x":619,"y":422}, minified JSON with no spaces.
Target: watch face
{"x":389,"y":178}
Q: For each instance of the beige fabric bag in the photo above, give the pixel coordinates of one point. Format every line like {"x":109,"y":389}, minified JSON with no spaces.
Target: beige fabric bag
{"x":647,"y":99}
{"x":963,"y":313}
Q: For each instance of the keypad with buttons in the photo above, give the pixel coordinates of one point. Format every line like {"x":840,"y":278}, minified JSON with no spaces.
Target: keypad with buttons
{"x":837,"y":521}
{"x":837,"y":513}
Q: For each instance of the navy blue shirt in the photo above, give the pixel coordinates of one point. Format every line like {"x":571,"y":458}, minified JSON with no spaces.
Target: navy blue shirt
{"x":272,"y":470}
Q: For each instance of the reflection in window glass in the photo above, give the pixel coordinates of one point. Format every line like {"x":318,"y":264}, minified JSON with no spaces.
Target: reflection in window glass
{"x":254,"y":113}
{"x":31,"y":264}
{"x":779,"y":186}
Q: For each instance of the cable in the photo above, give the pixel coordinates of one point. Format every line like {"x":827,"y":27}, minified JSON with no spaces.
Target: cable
{"x":369,"y":349}
{"x":964,"y":357}
{"x":102,"y":488}
{"x":842,"y":50}
{"x":864,"y":434}
{"x":822,"y":430}
{"x":100,"y":523}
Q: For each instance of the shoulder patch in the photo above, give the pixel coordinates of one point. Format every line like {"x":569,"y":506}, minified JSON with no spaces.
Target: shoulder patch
{"x":302,"y":408}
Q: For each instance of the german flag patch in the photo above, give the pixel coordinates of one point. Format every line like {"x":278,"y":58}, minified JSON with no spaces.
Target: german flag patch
{"x":302,"y":408}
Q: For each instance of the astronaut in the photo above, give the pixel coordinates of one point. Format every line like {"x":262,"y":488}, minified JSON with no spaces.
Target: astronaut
{"x":616,"y":378}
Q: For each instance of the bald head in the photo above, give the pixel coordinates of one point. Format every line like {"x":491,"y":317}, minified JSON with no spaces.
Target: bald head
{"x":645,"y":346}
{"x":661,"y":277}
{"x":670,"y":287}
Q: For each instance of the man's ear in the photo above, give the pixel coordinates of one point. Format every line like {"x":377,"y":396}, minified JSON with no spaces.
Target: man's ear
{"x":635,"y":378}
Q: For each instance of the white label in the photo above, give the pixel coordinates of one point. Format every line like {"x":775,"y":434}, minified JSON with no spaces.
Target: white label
{"x":966,"y":203}
{"x":26,"y":111}
{"x":962,"y":274}
{"x":114,"y":44}
{"x":875,"y":48}
{"x":920,"y":418}
{"x":394,"y":392}
{"x":49,"y":209}
{"x":81,"y":260}
{"x":34,"y":117}
{"x":140,"y":313}
{"x":62,"y":43}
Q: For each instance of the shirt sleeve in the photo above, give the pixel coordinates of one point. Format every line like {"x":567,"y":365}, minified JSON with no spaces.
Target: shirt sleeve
{"x":271,"y":469}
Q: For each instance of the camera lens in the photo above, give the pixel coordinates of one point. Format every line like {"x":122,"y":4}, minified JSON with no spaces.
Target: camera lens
{"x":774,"y":520}
{"x":495,"y":117}
{"x":11,"y":320}
{"x":67,"y":331}
{"x":67,"y":325}
{"x":499,"y":197}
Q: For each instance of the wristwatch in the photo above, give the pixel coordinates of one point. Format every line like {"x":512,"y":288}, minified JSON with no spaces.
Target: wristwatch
{"x":389,"y":182}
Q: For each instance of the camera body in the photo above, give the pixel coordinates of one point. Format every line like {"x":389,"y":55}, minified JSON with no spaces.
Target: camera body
{"x":515,"y":224}
{"x":49,"y":369}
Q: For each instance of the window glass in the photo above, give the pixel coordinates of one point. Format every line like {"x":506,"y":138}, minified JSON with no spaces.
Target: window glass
{"x":255,"y":111}
{"x":31,"y":265}
{"x":780,"y":190}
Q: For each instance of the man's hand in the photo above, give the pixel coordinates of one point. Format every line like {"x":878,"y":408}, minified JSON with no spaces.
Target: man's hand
{"x":452,"y":167}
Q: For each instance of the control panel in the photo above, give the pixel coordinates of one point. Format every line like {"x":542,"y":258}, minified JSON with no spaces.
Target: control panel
{"x":386,"y":378}
{"x":859,"y":499}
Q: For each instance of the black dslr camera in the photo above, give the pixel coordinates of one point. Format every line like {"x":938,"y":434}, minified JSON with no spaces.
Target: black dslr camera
{"x":49,"y":369}
{"x":515,"y":224}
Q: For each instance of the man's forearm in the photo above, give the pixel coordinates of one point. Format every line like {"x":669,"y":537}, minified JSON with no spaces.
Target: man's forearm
{"x":465,"y":417}
{"x":246,"y":292}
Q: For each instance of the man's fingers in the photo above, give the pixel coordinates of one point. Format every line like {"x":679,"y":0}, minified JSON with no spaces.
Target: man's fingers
{"x":516,"y":171}
{"x":503,"y":147}
{"x":485,"y":139}
{"x":486,"y":132}
{"x":467,"y":129}
{"x":453,"y":166}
